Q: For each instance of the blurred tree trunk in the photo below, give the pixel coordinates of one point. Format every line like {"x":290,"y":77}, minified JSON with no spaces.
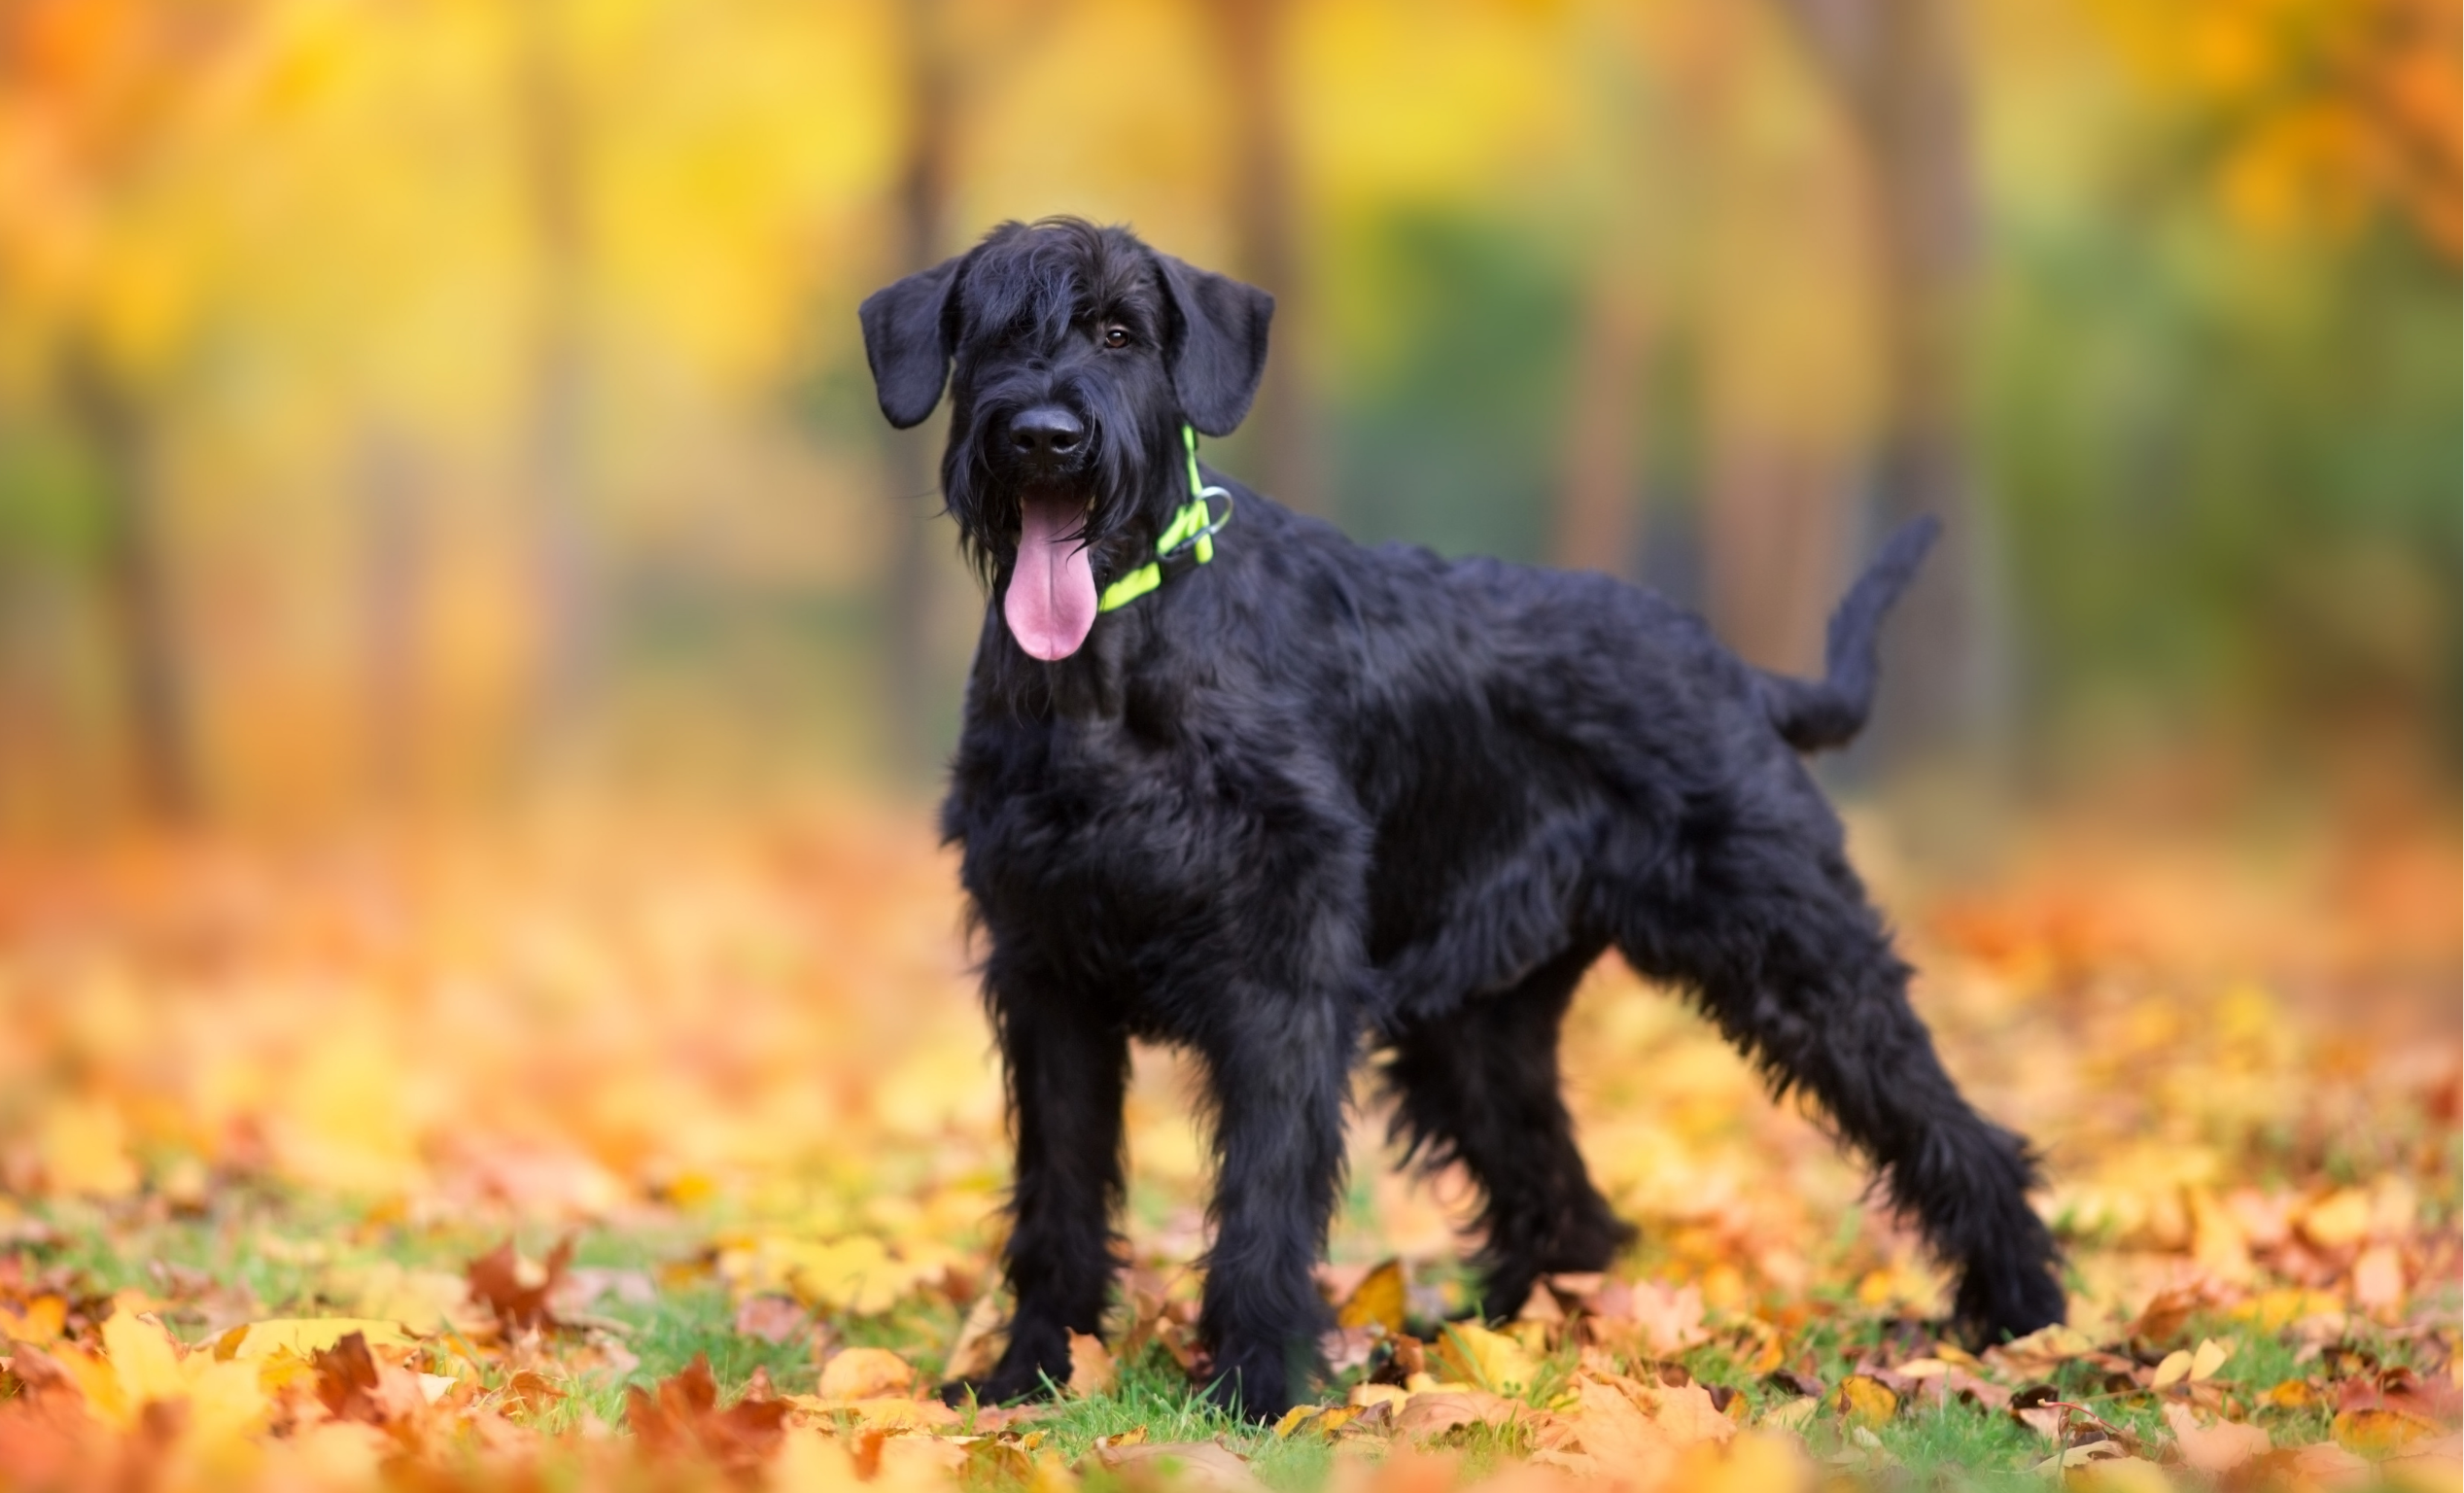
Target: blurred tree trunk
{"x":1599,"y":524}
{"x":157,"y":703}
{"x":556,"y":459}
{"x":1898,"y":73}
{"x":1772,"y":538}
{"x":392,"y":485}
{"x":924,"y":190}
{"x":1267,"y":251}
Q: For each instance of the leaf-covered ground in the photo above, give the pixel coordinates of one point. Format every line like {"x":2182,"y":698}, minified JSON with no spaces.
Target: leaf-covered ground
{"x":634,"y":1150}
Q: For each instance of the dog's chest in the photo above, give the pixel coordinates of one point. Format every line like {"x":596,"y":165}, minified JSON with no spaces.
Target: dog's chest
{"x":1147,"y":869}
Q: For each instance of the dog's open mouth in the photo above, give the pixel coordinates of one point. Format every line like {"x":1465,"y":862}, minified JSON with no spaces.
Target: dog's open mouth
{"x":1051,"y":603}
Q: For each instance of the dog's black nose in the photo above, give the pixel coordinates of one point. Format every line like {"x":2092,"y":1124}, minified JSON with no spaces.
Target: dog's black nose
{"x":1046,"y":433}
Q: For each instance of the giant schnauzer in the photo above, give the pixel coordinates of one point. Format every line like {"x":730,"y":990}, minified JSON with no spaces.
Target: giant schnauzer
{"x":1230,"y":781}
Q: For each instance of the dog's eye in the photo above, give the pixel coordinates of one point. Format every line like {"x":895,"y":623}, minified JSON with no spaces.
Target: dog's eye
{"x":1115,"y":336}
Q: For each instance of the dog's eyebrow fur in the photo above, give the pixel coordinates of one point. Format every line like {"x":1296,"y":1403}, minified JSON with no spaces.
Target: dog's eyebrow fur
{"x":1034,"y":281}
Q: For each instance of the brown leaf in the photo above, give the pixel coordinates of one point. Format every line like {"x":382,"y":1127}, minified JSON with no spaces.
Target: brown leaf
{"x":2323,"y":1465}
{"x":1434,"y":1413}
{"x":1542,"y":1306}
{"x":773,"y":1317}
{"x":499,"y":1282}
{"x":1346,"y":1348}
{"x":2378,"y":1280}
{"x":2218,"y":1448}
{"x":977,"y":1351}
{"x":2039,"y":1354}
{"x":682,"y":1421}
{"x":2433,"y":1397}
{"x":530,"y":1391}
{"x":1092,"y":1370}
{"x":2163,"y":1319}
{"x":1157,"y":1467}
{"x":352,"y":1385}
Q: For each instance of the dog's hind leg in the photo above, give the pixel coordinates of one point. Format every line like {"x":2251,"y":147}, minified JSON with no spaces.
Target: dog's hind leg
{"x":1765,"y":921}
{"x":1278,"y":1075}
{"x":1480,"y":1086}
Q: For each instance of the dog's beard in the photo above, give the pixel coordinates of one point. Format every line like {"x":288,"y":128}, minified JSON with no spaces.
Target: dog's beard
{"x":1049,"y":604}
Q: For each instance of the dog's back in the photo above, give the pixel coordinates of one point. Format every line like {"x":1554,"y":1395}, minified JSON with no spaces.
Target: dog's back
{"x":1495,"y":726}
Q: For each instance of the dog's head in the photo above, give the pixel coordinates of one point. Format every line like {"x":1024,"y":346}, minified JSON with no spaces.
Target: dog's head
{"x":1078,"y":353}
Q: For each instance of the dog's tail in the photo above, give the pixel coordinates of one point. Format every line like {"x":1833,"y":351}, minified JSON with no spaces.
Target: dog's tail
{"x":1816,"y":714}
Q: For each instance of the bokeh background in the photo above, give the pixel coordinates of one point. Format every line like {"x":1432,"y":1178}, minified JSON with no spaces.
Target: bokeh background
{"x":474,"y":662}
{"x":392,"y":393}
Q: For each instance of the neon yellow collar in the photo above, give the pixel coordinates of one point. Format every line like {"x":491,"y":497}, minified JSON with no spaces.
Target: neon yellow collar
{"x":1188,"y":539}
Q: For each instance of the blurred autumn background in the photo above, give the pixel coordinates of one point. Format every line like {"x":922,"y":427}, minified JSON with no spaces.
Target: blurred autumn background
{"x":474,"y":664}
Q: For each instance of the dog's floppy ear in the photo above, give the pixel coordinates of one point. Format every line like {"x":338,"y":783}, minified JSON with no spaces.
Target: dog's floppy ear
{"x":1218,"y":344}
{"x":907,"y":342}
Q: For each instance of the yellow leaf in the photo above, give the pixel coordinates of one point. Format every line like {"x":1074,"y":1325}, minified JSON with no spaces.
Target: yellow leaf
{"x":223,"y":1399}
{"x":1379,"y":1299}
{"x":303,"y":1335}
{"x":2376,"y":1431}
{"x":2210,"y":1358}
{"x":331,"y":1455}
{"x":1750,"y":1463}
{"x":2424,"y":1469}
{"x":887,"y":1411}
{"x":1491,"y":1360}
{"x":862,"y":1374}
{"x":1367,"y":1395}
{"x":2216,"y":1239}
{"x":1325,"y":1419}
{"x":2273,"y":1310}
{"x":105,"y":1400}
{"x":84,"y":1149}
{"x":2340,"y":1218}
{"x":2172,"y":1370}
{"x":2118,"y":1474}
{"x":854,"y":1275}
{"x":812,"y":1460}
{"x":1865,"y":1400}
{"x":45,"y":1318}
{"x":144,"y":1359}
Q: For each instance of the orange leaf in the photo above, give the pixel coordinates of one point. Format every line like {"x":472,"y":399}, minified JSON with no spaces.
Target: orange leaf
{"x":682,"y":1421}
{"x":518,"y":1297}
{"x":1092,"y":1370}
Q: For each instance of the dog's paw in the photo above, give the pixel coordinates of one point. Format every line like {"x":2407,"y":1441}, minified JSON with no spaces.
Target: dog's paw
{"x":1009,"y":1383}
{"x":2000,"y":1302}
{"x":1256,"y":1385}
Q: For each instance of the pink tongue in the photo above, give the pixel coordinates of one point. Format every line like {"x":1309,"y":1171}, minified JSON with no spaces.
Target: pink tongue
{"x":1051,"y":603}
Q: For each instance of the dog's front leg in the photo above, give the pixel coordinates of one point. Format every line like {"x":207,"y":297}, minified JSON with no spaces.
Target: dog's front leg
{"x":1067,"y":1067}
{"x":1278,"y":1071}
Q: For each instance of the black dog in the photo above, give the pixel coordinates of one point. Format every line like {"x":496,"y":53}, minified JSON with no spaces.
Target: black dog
{"x":1231,"y":782}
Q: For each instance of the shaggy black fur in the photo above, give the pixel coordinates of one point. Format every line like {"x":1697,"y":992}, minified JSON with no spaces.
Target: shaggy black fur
{"x":1314,"y":799}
